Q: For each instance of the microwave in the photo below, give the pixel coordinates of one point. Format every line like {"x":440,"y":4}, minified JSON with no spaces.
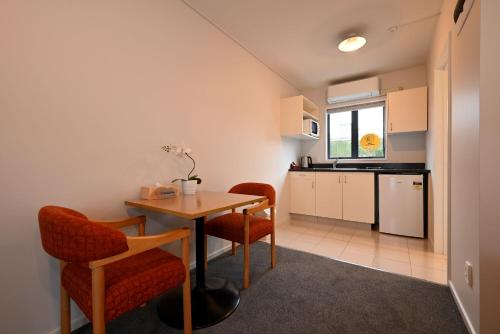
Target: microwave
{"x":310,"y":127}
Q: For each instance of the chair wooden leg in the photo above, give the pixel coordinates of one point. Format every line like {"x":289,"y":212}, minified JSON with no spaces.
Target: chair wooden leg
{"x":142,"y":233}
{"x":65,"y":307}
{"x":186,"y":287}
{"x":98,"y":322}
{"x":246,"y":266}
{"x":273,"y":240}
{"x":206,"y":252}
{"x":233,"y":244}
{"x":273,"y":251}
{"x":246,"y":254}
{"x":142,"y":229}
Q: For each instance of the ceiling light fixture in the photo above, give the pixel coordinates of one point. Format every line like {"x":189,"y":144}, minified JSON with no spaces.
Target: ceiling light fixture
{"x":352,"y":43}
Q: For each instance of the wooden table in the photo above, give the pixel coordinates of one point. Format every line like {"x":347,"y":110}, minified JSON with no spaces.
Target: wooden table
{"x":212,"y":299}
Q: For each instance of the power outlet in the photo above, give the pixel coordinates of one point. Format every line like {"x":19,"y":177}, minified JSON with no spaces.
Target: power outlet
{"x":468,"y":273}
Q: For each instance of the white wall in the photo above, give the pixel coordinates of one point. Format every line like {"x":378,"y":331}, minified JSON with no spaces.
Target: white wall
{"x":489,"y":160}
{"x":475,"y":158}
{"x":89,"y":92}
{"x":409,"y":147}
{"x":464,"y":241}
{"x":465,"y":112}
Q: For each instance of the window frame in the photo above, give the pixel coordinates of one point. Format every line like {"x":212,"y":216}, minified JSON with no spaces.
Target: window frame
{"x":354,"y":109}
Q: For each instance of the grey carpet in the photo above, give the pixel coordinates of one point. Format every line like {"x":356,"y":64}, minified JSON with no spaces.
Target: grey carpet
{"x":306,"y":293}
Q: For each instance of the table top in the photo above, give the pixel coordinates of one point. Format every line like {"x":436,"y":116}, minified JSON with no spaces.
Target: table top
{"x":198,"y":205}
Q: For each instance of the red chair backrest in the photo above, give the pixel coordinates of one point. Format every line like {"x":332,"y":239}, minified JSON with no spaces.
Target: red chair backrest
{"x":69,"y":236}
{"x":258,"y":189}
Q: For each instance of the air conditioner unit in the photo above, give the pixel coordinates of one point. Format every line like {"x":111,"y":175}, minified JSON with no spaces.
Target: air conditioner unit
{"x":354,"y":90}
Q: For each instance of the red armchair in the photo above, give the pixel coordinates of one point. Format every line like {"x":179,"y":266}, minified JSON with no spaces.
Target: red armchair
{"x":246,"y":228}
{"x":108,"y":273}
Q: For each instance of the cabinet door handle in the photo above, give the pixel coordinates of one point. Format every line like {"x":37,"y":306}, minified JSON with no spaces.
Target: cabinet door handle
{"x":312,"y":184}
{"x":390,"y":125}
{"x":345,"y":178}
{"x":340,"y":177}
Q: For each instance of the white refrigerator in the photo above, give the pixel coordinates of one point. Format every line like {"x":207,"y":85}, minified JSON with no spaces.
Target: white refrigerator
{"x":401,"y":204}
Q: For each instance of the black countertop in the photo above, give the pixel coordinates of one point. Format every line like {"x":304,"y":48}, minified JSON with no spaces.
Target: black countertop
{"x":378,"y":168}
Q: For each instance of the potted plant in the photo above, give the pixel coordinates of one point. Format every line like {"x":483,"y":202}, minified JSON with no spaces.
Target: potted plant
{"x":190,"y":183}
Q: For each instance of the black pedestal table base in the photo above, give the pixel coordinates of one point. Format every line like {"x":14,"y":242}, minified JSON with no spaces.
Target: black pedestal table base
{"x":212,"y":300}
{"x":209,"y":305}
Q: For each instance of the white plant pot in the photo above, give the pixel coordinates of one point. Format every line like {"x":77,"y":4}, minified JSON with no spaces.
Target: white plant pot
{"x":189,"y":187}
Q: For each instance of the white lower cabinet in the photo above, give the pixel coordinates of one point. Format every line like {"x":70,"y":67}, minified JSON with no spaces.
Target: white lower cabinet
{"x":358,"y":197}
{"x":303,"y":193}
{"x":329,"y":195}
{"x":347,"y":196}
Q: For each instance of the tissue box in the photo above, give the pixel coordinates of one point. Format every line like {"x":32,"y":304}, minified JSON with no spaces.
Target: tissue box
{"x":159,"y":191}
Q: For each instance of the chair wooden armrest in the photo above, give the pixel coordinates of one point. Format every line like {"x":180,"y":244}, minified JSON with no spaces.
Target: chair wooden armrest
{"x":256,"y":208}
{"x":138,"y":245}
{"x":140,"y":221}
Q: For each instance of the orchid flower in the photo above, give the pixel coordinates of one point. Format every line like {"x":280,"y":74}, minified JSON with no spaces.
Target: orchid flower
{"x":183,"y":151}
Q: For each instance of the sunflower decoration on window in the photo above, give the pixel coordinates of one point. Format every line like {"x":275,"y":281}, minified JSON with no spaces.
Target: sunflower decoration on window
{"x":370,"y":142}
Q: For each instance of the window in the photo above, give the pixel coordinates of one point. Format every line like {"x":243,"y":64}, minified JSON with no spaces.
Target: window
{"x":356,"y":132}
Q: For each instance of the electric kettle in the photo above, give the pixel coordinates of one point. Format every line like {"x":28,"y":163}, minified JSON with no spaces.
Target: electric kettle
{"x":305,"y":161}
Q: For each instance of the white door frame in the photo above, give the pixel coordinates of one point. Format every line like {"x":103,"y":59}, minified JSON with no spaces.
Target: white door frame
{"x":442,"y":89}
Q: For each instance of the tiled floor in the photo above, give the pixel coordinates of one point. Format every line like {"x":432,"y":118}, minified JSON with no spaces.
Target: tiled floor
{"x":356,"y":243}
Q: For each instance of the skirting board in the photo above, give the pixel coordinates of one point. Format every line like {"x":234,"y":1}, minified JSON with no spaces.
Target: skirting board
{"x":75,"y":323}
{"x":461,"y":308}
{"x":212,"y":255}
{"x":79,"y":322}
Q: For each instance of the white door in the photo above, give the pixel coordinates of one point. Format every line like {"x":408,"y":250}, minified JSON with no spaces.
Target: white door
{"x":329,"y":195}
{"x":358,"y":198}
{"x":302,"y":193}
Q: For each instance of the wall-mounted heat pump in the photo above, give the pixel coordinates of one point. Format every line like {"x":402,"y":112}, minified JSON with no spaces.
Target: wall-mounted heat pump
{"x":354,"y":90}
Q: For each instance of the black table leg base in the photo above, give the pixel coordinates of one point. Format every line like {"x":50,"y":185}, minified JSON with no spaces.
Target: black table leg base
{"x":210,"y":305}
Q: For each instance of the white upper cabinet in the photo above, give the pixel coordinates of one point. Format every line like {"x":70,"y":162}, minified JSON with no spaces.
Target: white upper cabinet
{"x":329,"y":195}
{"x":358,"y":200}
{"x":407,"y":110}
{"x":294,"y":110}
{"x":303,"y":193}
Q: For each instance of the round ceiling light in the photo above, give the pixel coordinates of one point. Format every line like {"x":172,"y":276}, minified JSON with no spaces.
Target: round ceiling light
{"x":352,"y":43}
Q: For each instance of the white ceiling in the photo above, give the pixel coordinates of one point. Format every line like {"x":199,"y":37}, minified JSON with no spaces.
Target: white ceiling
{"x":298,"y":38}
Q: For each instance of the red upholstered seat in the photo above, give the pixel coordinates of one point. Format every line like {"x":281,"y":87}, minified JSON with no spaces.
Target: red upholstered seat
{"x":254,"y":188}
{"x":108,"y":273}
{"x":70,"y":236}
{"x":128,"y":283}
{"x":230,"y":227}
